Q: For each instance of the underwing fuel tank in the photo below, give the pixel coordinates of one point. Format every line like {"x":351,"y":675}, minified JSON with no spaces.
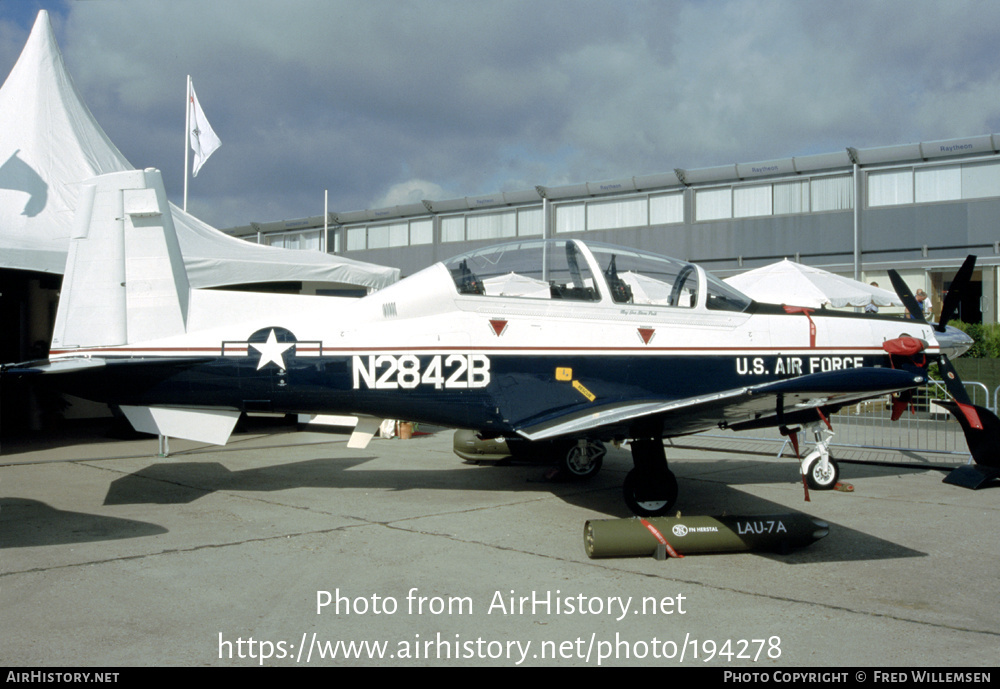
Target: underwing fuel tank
{"x":680,"y":536}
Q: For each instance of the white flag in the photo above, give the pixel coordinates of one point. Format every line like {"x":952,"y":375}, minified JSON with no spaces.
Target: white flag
{"x":203,"y":140}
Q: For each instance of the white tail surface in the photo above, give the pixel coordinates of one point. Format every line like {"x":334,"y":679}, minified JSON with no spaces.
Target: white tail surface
{"x":202,"y":425}
{"x":125,"y":280}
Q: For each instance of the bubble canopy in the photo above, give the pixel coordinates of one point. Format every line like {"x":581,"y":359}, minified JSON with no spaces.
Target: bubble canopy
{"x":570,"y":269}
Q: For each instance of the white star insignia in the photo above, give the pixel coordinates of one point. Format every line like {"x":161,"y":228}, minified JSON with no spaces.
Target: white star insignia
{"x":271,"y":351}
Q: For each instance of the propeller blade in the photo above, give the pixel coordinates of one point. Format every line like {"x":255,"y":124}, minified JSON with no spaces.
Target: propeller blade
{"x":951,"y":381}
{"x":954,"y":296}
{"x":963,"y":402}
{"x":904,"y":293}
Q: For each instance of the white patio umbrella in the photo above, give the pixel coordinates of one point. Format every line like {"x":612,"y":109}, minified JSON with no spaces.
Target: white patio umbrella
{"x":788,"y":282}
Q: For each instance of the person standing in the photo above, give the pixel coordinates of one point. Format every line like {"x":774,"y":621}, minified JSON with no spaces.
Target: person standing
{"x":925,"y":304}
{"x":872,"y":307}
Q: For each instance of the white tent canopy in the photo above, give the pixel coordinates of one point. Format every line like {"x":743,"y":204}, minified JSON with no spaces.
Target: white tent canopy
{"x":788,"y":282}
{"x":50,"y":142}
{"x":514,"y":285}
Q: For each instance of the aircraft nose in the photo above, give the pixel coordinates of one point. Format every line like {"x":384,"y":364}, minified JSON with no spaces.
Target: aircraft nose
{"x":953,"y":342}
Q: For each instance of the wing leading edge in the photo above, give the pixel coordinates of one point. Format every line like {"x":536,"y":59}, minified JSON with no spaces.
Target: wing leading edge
{"x":747,"y":405}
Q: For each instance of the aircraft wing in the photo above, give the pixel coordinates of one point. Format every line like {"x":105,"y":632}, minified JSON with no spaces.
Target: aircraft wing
{"x":749,"y":406}
{"x":31,"y":368}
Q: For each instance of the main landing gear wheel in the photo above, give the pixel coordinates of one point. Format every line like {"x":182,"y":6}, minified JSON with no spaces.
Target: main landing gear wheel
{"x":583,"y":459}
{"x":650,"y":489}
{"x":650,"y":498}
{"x":822,"y":478}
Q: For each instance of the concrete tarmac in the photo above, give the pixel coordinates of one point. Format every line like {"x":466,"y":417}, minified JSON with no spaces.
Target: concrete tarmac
{"x":288,"y":548}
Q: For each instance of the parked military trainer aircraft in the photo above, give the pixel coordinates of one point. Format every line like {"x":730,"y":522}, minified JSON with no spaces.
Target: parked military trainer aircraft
{"x":537,"y":340}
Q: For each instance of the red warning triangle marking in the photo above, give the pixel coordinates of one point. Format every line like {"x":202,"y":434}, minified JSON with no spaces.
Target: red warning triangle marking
{"x":498,"y":326}
{"x":646,"y":334}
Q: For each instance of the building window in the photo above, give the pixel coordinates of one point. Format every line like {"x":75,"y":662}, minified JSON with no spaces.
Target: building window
{"x":356,"y":240}
{"x":713,"y":204}
{"x":933,"y":184}
{"x":791,"y":197}
{"x":937,"y":184}
{"x":636,"y":211}
{"x":482,"y":226}
{"x":421,"y":232}
{"x":388,"y":236}
{"x":890,"y":188}
{"x":980,"y":180}
{"x":666,"y":209}
{"x":530,"y":222}
{"x":831,"y":193}
{"x":780,"y":198}
{"x":750,"y":202}
{"x":610,"y":215}
{"x":307,"y":239}
{"x":571,"y":217}
{"x":453,"y":228}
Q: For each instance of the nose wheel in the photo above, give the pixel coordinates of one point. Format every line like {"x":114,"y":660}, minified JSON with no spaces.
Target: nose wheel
{"x":819,"y":467}
{"x":822,"y":474}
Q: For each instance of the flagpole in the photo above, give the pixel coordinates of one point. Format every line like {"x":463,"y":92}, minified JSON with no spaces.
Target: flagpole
{"x":187,"y":144}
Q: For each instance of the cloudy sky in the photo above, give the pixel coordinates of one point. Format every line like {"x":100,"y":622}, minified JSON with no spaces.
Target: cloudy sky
{"x":390,"y":101}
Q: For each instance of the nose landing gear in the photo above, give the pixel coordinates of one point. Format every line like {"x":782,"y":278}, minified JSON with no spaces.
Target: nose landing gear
{"x":819,"y":467}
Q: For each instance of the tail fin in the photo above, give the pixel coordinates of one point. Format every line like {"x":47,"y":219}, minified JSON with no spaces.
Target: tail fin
{"x":125,"y":280}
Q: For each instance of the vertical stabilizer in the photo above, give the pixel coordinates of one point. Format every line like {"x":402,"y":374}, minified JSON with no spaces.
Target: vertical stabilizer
{"x":125,"y":280}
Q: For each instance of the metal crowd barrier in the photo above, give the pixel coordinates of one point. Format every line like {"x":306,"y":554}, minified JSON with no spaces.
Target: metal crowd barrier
{"x":924,"y":427}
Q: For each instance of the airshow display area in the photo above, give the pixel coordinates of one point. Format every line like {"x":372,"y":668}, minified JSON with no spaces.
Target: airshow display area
{"x":288,"y":547}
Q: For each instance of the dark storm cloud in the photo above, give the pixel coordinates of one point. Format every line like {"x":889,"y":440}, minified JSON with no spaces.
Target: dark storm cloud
{"x":389,"y":101}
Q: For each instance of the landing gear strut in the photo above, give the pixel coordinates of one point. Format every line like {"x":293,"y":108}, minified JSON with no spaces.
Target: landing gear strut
{"x":650,"y":489}
{"x":583,"y":459}
{"x":819,"y":468}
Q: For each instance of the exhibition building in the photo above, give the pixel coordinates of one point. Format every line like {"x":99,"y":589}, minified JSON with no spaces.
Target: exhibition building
{"x":919,"y":208}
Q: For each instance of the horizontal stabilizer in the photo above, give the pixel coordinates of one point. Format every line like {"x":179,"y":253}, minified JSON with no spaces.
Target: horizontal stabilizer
{"x":201,"y":425}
